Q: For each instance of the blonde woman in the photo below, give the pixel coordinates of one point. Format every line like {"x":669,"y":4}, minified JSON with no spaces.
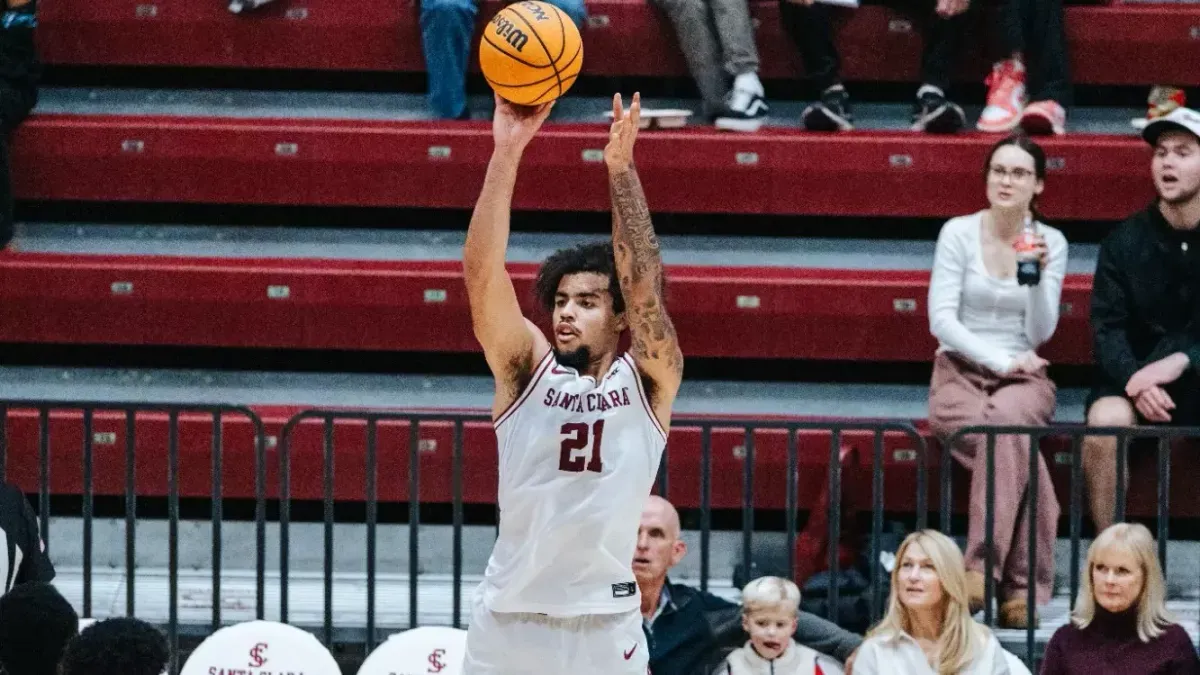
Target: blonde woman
{"x":1120,"y":618}
{"x":928,"y":629}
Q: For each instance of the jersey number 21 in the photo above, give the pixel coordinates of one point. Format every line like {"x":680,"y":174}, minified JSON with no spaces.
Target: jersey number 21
{"x":578,"y":436}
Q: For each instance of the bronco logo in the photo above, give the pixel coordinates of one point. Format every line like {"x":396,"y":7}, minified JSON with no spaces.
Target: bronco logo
{"x":511,"y":34}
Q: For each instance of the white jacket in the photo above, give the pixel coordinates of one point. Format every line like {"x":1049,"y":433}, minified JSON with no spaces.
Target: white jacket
{"x":796,"y":660}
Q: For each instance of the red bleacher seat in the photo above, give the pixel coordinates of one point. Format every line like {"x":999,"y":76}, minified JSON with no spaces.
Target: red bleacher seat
{"x":479,"y":466}
{"x":428,"y":164}
{"x":1109,"y":45}
{"x":356,"y":305}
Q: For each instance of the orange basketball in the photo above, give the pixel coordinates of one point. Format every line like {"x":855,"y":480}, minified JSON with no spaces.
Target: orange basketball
{"x":531,"y":52}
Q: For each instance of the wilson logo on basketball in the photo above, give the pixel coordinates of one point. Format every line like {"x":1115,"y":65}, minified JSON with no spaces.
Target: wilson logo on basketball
{"x":511,"y":34}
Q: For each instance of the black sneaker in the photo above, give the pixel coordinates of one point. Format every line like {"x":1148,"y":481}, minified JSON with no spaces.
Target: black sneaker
{"x":831,"y":113}
{"x":744,"y":111}
{"x":936,"y":114}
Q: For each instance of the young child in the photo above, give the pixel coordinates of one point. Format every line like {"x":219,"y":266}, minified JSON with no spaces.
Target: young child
{"x":770,"y":608}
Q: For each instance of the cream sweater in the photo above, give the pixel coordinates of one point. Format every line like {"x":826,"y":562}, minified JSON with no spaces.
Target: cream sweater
{"x":797,"y":660}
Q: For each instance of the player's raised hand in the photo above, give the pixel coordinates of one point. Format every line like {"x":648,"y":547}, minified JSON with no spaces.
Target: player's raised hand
{"x":513,"y":126}
{"x":618,"y":154}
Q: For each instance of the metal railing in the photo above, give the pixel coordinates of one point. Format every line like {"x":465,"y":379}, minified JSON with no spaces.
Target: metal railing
{"x":799,"y":444}
{"x":125,"y":416}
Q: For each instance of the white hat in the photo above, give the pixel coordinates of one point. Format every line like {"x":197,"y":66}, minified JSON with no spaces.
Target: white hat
{"x":1180,"y":118}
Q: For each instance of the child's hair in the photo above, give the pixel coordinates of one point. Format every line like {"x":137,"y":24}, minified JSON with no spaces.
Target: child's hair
{"x":765,"y":593}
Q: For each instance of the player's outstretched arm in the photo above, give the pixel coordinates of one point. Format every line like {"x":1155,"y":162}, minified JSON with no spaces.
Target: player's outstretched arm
{"x":655,"y":346}
{"x":509,"y":341}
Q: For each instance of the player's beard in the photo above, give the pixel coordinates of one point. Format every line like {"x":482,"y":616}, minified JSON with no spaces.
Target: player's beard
{"x":579,"y":359}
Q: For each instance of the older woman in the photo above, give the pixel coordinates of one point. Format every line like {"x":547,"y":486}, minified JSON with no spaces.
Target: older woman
{"x":987,"y":370}
{"x":1121,"y":618}
{"x":928,"y":629}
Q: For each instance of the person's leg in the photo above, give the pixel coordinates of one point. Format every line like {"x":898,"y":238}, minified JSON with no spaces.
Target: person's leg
{"x":944,"y":40}
{"x":811,"y":30}
{"x":1022,"y":400}
{"x":16,"y":100}
{"x":746,"y":105}
{"x":701,"y":49}
{"x":1046,"y":60}
{"x":736,"y":35}
{"x":446,"y":30}
{"x":608,"y":644}
{"x":1006,"y":83}
{"x":958,"y":398}
{"x":1100,"y":456}
{"x":574,"y":9}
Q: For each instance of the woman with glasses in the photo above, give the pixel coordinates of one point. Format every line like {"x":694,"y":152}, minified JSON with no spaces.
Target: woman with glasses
{"x":989,"y":321}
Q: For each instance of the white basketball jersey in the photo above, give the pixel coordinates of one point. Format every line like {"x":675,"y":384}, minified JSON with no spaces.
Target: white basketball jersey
{"x":577,"y":460}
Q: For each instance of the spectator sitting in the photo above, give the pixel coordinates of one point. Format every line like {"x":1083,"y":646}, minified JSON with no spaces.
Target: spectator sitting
{"x":928,"y":628}
{"x":770,"y":607}
{"x":1146,"y":310}
{"x":36,"y":623}
{"x":447,"y":27}
{"x":718,"y":43}
{"x":690,"y":631}
{"x":120,"y":646}
{"x":26,"y":559}
{"x":988,"y":372}
{"x":20,"y":72}
{"x":811,"y":27}
{"x":1120,"y":619}
{"x":1034,"y":28}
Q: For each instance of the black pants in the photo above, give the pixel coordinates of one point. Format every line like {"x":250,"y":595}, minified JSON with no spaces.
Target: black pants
{"x":1035,"y":29}
{"x":16,"y":100}
{"x":811,"y":28}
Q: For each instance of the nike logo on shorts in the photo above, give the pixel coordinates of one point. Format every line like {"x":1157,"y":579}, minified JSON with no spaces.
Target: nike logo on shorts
{"x":629,"y":654}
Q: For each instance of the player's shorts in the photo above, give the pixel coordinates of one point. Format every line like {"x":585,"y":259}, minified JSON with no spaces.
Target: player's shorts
{"x":501,"y":643}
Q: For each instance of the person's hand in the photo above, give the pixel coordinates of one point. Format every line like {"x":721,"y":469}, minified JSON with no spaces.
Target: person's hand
{"x":1027,"y":362}
{"x":1155,"y":404}
{"x":1162,"y":371}
{"x":951,"y":8}
{"x":1039,"y":247}
{"x":618,"y":154}
{"x":513,"y":126}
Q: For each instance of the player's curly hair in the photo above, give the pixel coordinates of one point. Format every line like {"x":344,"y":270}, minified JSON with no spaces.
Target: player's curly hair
{"x":36,"y":623}
{"x":118,"y":646}
{"x":595,"y":257}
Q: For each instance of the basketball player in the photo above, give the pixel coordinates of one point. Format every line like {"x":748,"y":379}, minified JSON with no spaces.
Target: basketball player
{"x":580,"y":427}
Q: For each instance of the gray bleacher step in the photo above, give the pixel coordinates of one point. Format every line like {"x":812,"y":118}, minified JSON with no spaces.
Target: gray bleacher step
{"x":458,"y":392}
{"x":413,"y":107}
{"x":403,"y":244}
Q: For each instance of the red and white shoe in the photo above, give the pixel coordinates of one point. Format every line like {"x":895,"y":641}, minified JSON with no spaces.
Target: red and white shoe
{"x":1005,"y":99}
{"x":1044,"y":118}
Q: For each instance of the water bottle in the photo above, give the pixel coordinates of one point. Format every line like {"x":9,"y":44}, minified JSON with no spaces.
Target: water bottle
{"x":1029,"y":265}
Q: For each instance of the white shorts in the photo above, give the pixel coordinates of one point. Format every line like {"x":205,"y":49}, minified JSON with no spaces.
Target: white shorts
{"x":501,"y":643}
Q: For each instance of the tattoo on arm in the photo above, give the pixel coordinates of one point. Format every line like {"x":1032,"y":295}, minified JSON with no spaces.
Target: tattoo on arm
{"x":639,"y":264}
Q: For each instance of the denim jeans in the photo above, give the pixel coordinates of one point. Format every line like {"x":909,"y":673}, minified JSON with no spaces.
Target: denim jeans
{"x":447,"y":28}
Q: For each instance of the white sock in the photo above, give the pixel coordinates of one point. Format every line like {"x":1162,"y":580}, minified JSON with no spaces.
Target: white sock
{"x":748,"y":82}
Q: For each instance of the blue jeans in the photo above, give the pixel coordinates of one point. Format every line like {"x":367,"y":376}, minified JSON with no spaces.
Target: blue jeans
{"x":447,"y":27}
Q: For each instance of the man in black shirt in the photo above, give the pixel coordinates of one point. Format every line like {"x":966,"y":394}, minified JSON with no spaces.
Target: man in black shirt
{"x":25,"y":558}
{"x":1146,"y":309}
